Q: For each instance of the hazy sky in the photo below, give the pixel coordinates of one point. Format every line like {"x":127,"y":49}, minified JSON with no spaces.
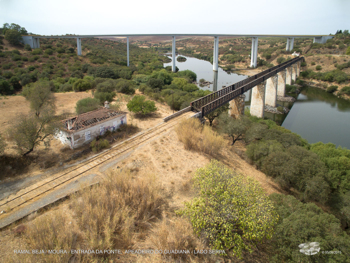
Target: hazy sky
{"x":57,"y":17}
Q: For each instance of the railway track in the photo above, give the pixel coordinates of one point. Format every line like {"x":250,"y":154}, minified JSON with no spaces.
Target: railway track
{"x":38,"y":190}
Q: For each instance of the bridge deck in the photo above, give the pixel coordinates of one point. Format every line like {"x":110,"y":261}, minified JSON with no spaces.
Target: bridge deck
{"x":211,"y":102}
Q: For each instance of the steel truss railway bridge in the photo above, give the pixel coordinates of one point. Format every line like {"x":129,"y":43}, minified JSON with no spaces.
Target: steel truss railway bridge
{"x":266,"y":86}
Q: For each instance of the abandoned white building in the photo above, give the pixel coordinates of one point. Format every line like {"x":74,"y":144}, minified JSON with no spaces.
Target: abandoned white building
{"x":85,"y":127}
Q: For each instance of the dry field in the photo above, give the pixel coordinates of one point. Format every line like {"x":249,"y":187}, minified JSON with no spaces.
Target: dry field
{"x":166,"y":167}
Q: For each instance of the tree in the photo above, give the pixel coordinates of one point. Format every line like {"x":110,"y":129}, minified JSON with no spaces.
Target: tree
{"x":30,"y":130}
{"x":82,"y":85}
{"x":232,"y":211}
{"x":139,"y":104}
{"x":216,"y":113}
{"x":302,"y":223}
{"x":5,"y":87}
{"x":348,"y":51}
{"x":232,"y":127}
{"x":40,"y":97}
{"x":87,"y":104}
{"x":13,"y":36}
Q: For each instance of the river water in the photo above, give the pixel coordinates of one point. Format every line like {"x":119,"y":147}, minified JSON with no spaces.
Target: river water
{"x":316,"y":115}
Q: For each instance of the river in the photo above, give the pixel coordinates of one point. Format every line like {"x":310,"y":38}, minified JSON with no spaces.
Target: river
{"x":316,"y":115}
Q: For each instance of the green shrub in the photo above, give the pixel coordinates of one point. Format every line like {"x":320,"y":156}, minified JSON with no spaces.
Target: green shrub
{"x":60,"y":50}
{"x":318,"y":67}
{"x":125,"y":86}
{"x":81,"y":85}
{"x":105,"y":72}
{"x":345,"y":90}
{"x":27,"y":47}
{"x":104,"y":96}
{"x":313,"y":63}
{"x":5,"y":87}
{"x":140,"y":105}
{"x":232,"y":211}
{"x":302,"y":223}
{"x":49,"y":51}
{"x":303,"y":64}
{"x":280,"y":60}
{"x":7,"y":74}
{"x":331,"y":89}
{"x":98,"y":145}
{"x":24,"y":59}
{"x":37,"y":51}
{"x":87,"y":104}
{"x":16,"y":57}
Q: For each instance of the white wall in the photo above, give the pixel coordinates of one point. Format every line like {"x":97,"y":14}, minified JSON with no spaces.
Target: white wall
{"x":87,"y":135}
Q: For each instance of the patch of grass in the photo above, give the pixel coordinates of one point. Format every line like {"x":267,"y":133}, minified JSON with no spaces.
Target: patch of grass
{"x":113,"y":213}
{"x":198,"y":138}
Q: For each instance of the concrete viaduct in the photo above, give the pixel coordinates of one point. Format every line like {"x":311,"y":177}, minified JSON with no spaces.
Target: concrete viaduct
{"x":266,"y":85}
{"x":34,"y":42}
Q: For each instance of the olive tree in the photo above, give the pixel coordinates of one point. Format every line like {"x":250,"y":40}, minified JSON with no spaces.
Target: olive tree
{"x":231,"y":210}
{"x":36,"y":127}
{"x":235,"y":128}
{"x":40,"y":97}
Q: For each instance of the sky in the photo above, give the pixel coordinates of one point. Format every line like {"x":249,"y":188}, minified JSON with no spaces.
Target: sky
{"x":60,"y":17}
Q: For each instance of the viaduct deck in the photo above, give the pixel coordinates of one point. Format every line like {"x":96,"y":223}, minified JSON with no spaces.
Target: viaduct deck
{"x":211,"y":102}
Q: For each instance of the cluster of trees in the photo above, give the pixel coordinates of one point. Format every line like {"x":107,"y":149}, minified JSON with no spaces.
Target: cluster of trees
{"x":13,"y":33}
{"x":176,"y":89}
{"x":319,"y":172}
{"x":331,"y":76}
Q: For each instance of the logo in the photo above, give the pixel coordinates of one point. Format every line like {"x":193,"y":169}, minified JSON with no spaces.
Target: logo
{"x":310,"y":248}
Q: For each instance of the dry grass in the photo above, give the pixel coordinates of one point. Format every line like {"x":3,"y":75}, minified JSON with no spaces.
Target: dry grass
{"x":195,"y":137}
{"x":174,"y":234}
{"x":113,"y":214}
{"x":56,"y":232}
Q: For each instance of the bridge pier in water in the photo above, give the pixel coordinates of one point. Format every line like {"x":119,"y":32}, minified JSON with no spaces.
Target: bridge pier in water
{"x":79,"y":46}
{"x":258,"y":100}
{"x":254,"y":53}
{"x":271,"y":91}
{"x":281,"y":86}
{"x":173,"y":54}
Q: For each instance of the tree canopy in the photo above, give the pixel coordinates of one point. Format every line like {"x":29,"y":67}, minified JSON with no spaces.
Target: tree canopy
{"x":140,"y":105}
{"x":231,"y":210}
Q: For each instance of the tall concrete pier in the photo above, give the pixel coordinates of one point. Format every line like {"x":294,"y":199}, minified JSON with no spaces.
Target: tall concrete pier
{"x":254,"y":53}
{"x":216,"y":54}
{"x":258,"y":100}
{"x":79,"y":46}
{"x":271,"y":91}
{"x":281,"y":86}
{"x":173,"y":54}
